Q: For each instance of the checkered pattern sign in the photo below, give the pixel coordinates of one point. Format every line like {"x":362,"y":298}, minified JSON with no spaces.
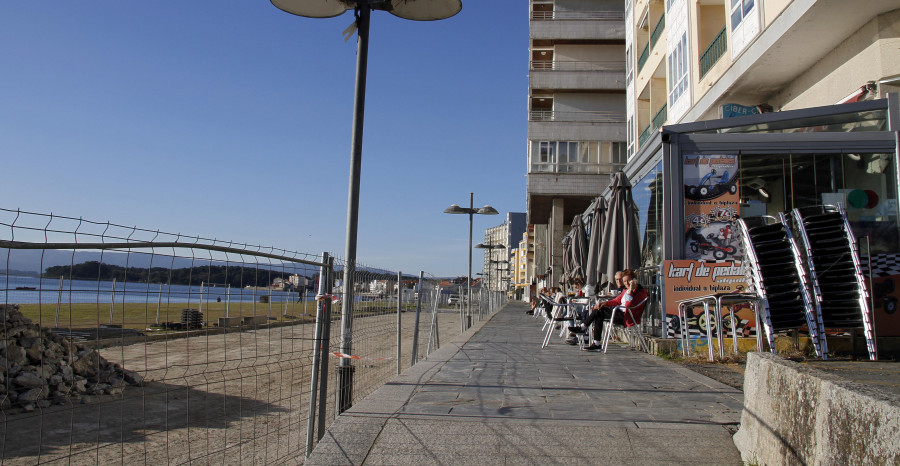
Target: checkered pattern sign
{"x":883,"y":265}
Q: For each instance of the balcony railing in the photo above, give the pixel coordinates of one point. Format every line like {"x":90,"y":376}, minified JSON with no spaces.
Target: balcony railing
{"x":642,"y":59}
{"x":553,"y":65}
{"x":588,"y":117}
{"x":658,"y":30}
{"x":711,"y":55}
{"x":660,"y":116}
{"x":645,"y":134}
{"x":589,"y":168}
{"x":577,"y":15}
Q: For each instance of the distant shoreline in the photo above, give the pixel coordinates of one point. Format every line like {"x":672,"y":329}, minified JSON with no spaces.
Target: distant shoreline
{"x":21,"y":273}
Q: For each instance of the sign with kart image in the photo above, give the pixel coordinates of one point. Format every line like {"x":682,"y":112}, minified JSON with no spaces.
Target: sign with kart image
{"x":711,"y":205}
{"x":687,"y":279}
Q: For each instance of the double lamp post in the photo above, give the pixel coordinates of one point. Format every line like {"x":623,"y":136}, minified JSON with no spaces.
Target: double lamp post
{"x":471,"y":211}
{"x":419,"y":10}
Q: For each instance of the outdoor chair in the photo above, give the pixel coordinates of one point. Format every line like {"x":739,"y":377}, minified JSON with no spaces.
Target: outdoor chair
{"x":633,"y":333}
{"x":562,"y":312}
{"x":550,"y":322}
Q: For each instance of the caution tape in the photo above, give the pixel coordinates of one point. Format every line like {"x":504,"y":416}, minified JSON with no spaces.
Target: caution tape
{"x":323,"y":297}
{"x":350,"y":356}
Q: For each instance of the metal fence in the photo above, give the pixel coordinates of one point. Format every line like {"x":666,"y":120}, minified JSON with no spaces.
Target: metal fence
{"x":122,"y":344}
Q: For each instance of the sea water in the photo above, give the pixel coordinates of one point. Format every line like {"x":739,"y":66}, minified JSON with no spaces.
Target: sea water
{"x":17,"y":289}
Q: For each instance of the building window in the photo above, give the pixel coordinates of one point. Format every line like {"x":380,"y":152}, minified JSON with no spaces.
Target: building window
{"x":574,"y":156}
{"x":678,"y":66}
{"x":628,"y":66}
{"x":619,"y":154}
{"x":739,"y":10}
{"x":630,"y":135}
{"x":647,"y":194}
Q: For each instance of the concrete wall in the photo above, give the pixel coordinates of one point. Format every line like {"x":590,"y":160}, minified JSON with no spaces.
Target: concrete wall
{"x":592,"y":52}
{"x":794,"y":414}
{"x":868,"y":55}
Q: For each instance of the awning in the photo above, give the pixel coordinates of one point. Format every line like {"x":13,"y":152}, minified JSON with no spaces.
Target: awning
{"x":859,"y":94}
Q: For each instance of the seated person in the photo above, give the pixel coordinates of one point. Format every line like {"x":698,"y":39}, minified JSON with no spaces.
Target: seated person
{"x":632,"y":293}
{"x":557,"y":297}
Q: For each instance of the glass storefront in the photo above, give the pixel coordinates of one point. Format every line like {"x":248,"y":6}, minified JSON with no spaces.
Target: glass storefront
{"x":865,"y":184}
{"x":691,"y":181}
{"x":647,"y":195}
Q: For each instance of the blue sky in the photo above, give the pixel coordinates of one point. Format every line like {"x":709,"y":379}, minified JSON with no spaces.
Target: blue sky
{"x":232,"y":119}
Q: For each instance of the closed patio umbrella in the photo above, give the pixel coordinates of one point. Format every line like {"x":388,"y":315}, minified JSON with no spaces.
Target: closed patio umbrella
{"x":595,"y":240}
{"x":567,"y":259}
{"x":621,"y":248}
{"x":577,"y":250}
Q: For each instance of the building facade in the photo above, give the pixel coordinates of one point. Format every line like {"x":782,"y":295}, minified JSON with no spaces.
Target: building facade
{"x":752,"y":108}
{"x":498,"y":242}
{"x":577,"y":114}
{"x":694,"y":60}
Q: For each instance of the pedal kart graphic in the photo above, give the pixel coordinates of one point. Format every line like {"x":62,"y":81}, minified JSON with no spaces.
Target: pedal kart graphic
{"x":712,"y":185}
{"x":697,"y":323}
{"x":721,"y":246}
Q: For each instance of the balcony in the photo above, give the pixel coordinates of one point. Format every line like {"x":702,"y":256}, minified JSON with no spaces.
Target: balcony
{"x":576,"y":126}
{"x":711,"y":55}
{"x":660,"y":118}
{"x":642,"y":59}
{"x":577,"y":75}
{"x":590,"y":117}
{"x":657,"y":31}
{"x":577,"y":15}
{"x":544,"y":65}
{"x":645,"y":134}
{"x":578,"y":25}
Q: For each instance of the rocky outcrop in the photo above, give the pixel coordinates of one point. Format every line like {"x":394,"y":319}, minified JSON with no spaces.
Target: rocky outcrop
{"x":39,"y":368}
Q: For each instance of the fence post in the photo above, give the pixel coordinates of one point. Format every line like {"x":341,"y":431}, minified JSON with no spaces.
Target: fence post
{"x":112,"y":301}
{"x":59,"y":300}
{"x":317,"y":351}
{"x":399,"y":309}
{"x":326,"y":332}
{"x":415,"y":342}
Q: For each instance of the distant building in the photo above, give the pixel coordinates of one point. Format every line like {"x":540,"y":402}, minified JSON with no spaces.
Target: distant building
{"x":577,"y":114}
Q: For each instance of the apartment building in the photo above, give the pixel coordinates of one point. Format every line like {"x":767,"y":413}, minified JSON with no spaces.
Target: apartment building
{"x":577,"y":112}
{"x":746,"y":108}
{"x":699,"y":60}
{"x":498,"y":242}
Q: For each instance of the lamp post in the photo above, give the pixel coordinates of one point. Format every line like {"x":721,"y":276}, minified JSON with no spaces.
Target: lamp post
{"x":488,"y":269}
{"x":419,"y":10}
{"x":471,"y":211}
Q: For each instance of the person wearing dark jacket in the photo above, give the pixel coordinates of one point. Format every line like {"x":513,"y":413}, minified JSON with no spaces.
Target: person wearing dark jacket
{"x":632,"y":293}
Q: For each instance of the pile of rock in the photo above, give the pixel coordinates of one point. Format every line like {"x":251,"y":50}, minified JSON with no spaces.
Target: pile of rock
{"x":39,"y":368}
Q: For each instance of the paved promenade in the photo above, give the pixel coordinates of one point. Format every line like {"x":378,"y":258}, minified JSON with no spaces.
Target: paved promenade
{"x":492,"y":396}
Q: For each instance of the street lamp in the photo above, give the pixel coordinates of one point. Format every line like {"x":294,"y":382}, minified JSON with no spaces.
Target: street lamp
{"x":486,"y":210}
{"x":419,"y":10}
{"x":489,"y":256}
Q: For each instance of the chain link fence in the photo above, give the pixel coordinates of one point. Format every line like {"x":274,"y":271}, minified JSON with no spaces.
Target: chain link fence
{"x":122,"y":344}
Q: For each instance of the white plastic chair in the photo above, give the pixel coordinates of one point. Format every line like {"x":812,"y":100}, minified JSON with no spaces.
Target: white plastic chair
{"x":635,"y":337}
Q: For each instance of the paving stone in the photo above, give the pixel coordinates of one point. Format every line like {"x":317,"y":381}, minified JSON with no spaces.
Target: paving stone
{"x":499,"y":398}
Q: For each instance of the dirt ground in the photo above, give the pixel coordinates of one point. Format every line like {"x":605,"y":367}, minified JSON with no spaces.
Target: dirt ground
{"x":236,"y":398}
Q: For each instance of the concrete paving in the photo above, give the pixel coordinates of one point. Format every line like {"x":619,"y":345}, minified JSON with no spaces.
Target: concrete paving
{"x":493,"y":396}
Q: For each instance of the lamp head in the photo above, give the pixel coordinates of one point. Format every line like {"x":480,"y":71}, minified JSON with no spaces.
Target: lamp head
{"x":487,"y":210}
{"x":455,"y":209}
{"x":418,"y":10}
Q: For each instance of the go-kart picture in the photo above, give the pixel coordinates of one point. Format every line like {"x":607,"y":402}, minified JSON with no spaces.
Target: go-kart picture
{"x":712,"y":185}
{"x":720,"y":245}
{"x":697,"y":323}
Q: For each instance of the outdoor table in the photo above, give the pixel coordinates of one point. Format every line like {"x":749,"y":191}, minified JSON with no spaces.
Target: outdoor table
{"x":717,"y":299}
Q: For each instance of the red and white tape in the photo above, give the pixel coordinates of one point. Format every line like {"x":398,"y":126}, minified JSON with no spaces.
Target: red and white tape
{"x":350,"y":356}
{"x":323,"y":297}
